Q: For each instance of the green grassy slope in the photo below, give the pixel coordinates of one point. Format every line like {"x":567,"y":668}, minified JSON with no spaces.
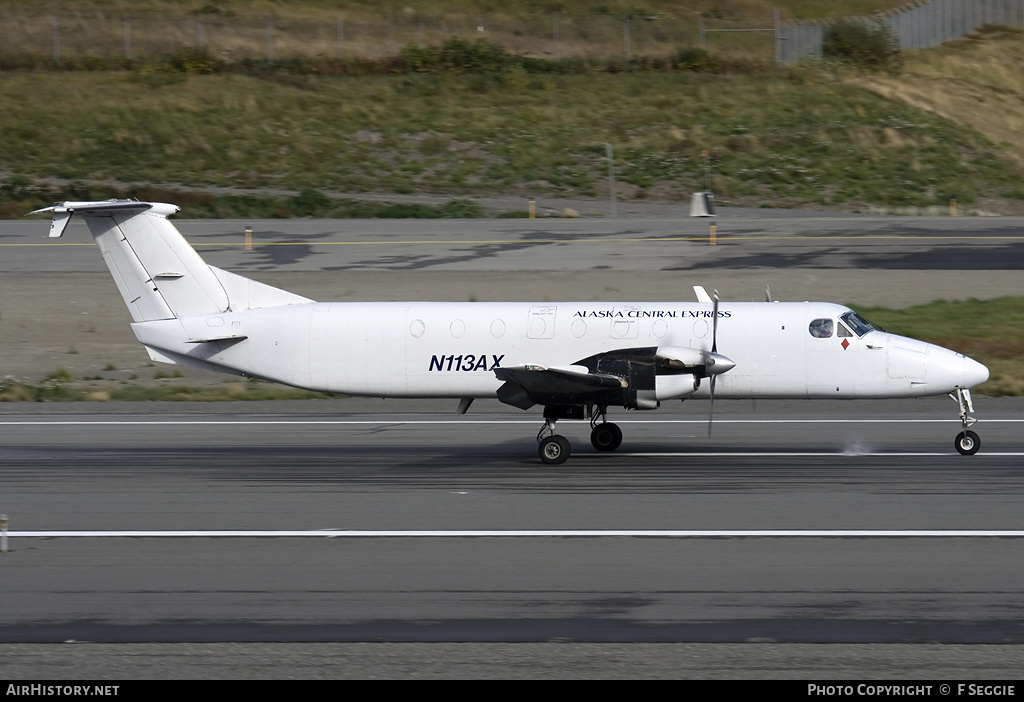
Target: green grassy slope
{"x":800,"y":137}
{"x":796,"y":139}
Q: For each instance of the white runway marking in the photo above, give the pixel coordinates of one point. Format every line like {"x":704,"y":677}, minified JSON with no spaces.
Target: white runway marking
{"x":532,"y":422}
{"x":533,"y":533}
{"x":805,"y":454}
{"x":701,"y":422}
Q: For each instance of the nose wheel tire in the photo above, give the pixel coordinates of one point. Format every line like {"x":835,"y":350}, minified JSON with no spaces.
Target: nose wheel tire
{"x":967,"y":443}
{"x":554,"y":450}
{"x":606,"y":436}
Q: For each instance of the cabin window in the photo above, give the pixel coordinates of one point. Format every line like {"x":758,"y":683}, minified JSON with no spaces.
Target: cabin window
{"x":843,"y":331}
{"x":821,"y":328}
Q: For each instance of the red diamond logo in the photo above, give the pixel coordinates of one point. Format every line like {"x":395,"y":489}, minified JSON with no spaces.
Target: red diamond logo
{"x":846,"y":344}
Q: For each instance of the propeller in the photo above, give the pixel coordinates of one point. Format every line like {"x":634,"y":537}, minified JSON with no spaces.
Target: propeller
{"x":714,"y":363}
{"x":711,"y":360}
{"x":714,"y":323}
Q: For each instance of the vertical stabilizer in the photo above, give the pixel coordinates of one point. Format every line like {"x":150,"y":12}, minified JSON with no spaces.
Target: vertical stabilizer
{"x":159,"y":275}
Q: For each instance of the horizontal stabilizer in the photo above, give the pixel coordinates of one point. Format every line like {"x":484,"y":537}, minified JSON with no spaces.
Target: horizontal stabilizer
{"x":62,"y":212}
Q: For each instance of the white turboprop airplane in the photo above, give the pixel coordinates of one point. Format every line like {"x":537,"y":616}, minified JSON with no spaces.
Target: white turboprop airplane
{"x":576,"y":359}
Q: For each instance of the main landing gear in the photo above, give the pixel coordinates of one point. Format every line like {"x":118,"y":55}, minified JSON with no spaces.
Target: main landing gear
{"x":604,"y":436}
{"x":967,"y":442}
{"x":554,"y":448}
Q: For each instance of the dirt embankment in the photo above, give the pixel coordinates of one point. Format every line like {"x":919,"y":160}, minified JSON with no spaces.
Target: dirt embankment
{"x":976,"y":81}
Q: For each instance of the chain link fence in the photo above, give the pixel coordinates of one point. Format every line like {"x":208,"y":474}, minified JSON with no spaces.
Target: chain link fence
{"x":915,"y":26}
{"x":67,"y":35}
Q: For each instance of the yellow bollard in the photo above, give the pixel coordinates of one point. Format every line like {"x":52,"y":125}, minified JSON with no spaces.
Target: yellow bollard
{"x":714,"y":230}
{"x":952,"y":207}
{"x":248,"y":238}
{"x":533,"y":209}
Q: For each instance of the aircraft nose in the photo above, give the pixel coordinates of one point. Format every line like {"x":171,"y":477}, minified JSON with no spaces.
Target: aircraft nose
{"x":949,"y":369}
{"x":974,"y":373}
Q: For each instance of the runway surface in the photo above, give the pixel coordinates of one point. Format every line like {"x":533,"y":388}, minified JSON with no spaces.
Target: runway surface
{"x":683,"y":600}
{"x":353,"y":466}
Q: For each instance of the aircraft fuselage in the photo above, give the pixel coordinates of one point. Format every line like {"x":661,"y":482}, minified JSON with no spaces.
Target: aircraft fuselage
{"x":444,"y":349}
{"x":576,"y":359}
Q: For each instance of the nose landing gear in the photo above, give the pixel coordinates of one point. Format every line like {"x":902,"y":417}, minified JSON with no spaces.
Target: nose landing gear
{"x":967,"y":442}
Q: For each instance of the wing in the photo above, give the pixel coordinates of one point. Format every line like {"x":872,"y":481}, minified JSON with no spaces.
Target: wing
{"x":528,"y":385}
{"x":635,"y":378}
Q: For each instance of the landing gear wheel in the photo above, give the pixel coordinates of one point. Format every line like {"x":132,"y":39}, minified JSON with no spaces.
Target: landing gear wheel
{"x":967,"y":443}
{"x":606,"y":436}
{"x":554,"y":450}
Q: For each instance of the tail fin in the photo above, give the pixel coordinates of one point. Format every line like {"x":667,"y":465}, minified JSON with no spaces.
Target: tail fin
{"x":159,"y":275}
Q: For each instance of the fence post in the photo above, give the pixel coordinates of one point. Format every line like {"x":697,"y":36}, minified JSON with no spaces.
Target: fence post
{"x":554,"y":31}
{"x":778,"y":37}
{"x":611,"y":179}
{"x":56,"y":38}
{"x":625,"y":37}
{"x":341,"y":38}
{"x":200,"y":39}
{"x":700,"y":31}
{"x":127,"y":38}
{"x":270,"y":41}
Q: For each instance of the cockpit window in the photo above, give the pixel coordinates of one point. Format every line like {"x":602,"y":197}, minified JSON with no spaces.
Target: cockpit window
{"x":858,"y":324}
{"x":821,"y":328}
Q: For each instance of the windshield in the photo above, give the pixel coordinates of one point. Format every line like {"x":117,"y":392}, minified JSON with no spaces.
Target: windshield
{"x":858,"y":324}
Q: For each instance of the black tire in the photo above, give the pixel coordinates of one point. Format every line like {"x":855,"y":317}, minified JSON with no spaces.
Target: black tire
{"x":606,"y":437}
{"x":554,"y":450}
{"x":967,"y":443}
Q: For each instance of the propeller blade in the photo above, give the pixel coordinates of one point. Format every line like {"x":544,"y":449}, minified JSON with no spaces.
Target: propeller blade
{"x":714,"y":325}
{"x":711,"y":410}
{"x":715,"y":363}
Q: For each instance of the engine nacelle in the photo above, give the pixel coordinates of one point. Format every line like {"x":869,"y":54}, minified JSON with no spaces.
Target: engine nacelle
{"x":671,"y":387}
{"x":683,"y":359}
{"x":679,"y":358}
